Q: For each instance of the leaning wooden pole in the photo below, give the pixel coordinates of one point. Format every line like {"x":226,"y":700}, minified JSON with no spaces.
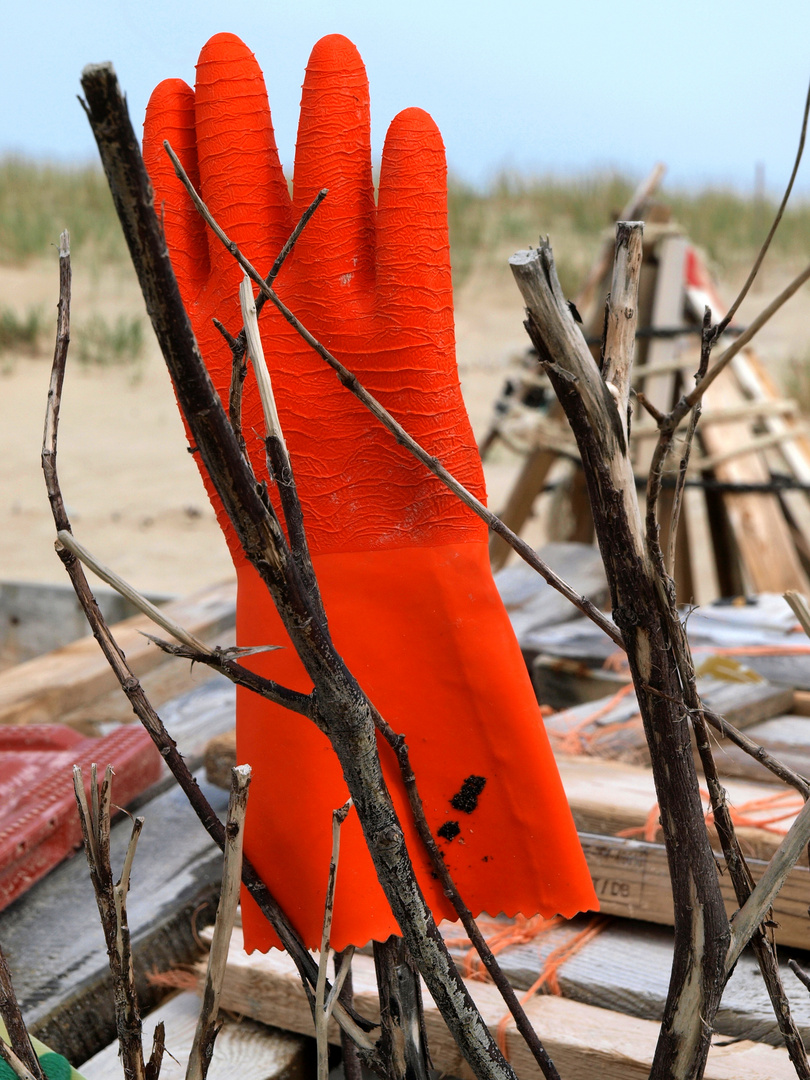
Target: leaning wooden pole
{"x":595,"y":403}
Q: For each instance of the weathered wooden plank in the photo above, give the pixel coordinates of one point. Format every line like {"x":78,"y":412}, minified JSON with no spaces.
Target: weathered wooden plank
{"x":632,"y":880}
{"x":533,"y":603}
{"x":611,"y":727}
{"x":759,"y":524}
{"x":53,"y":940}
{"x":74,"y":685}
{"x":244,"y":1048}
{"x":584,"y":1041}
{"x":626,"y":968}
{"x":37,"y":618}
{"x":610,"y":797}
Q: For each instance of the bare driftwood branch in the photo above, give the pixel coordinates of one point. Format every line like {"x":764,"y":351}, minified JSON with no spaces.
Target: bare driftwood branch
{"x":648,"y":620}
{"x":191,"y":648}
{"x":323,"y":1008}
{"x":622,"y":315}
{"x":202,"y":1048}
{"x":20,"y":1053}
{"x":348,"y":380}
{"x":15,"y":1064}
{"x":111,"y":899}
{"x":343,"y":712}
{"x":766,"y":759}
{"x":134,"y":692}
{"x":479,"y":942}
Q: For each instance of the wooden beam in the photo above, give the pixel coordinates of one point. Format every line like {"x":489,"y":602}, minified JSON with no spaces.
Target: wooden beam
{"x":74,"y":685}
{"x":243,"y":1048}
{"x":582,"y":1040}
{"x":632,"y":880}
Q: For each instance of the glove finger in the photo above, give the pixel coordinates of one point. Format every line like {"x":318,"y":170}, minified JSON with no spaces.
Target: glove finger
{"x":170,"y":115}
{"x":415,"y":367}
{"x":335,"y":253}
{"x":241,"y":178}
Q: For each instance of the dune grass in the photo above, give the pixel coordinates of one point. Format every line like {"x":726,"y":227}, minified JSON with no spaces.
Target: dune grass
{"x":38,"y":200}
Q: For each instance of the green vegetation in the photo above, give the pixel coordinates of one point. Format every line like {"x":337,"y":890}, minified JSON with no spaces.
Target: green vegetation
{"x":38,"y":201}
{"x":576,"y":211}
{"x":21,"y":333}
{"x":102,"y":343}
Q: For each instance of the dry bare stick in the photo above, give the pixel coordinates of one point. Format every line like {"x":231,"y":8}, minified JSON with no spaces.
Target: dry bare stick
{"x":68,"y":540}
{"x":644,"y":615}
{"x":141,"y":705}
{"x":621,"y":316}
{"x":14,"y":1063}
{"x":21,"y":1054}
{"x":479,"y":942}
{"x":277,"y":456}
{"x":222,"y":660}
{"x":725,"y":322}
{"x":352,"y":1068}
{"x":111,"y":899}
{"x":202,"y":1048}
{"x":322,"y":1012}
{"x":766,"y":759}
{"x":344,"y":713}
{"x":724,"y":359}
{"x":237,"y":344}
{"x":431,"y":463}
{"x":761,"y":900}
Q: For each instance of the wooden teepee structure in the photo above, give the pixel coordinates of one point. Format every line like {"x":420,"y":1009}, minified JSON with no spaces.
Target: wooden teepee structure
{"x":745,"y":523}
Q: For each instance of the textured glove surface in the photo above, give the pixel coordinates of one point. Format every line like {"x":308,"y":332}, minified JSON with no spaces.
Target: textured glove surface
{"x":402,"y":564}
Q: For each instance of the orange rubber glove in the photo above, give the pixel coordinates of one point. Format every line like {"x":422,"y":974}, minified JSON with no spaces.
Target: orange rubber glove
{"x":402,"y":564}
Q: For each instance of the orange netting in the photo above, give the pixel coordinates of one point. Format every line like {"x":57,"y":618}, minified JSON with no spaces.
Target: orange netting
{"x":779,"y":808}
{"x":577,"y":739}
{"x":548,"y":976}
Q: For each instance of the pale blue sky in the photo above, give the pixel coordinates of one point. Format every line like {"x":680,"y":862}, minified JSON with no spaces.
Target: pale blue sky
{"x":709,"y":86}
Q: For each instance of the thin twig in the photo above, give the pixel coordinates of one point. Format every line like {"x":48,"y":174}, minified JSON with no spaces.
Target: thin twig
{"x":111,"y":900}
{"x":238,"y":344}
{"x":351,"y":382}
{"x":759,"y":753}
{"x":752,"y":913}
{"x":724,"y":359}
{"x":222,"y":660}
{"x":800,"y":973}
{"x":15,"y":1064}
{"x":352,"y":1066}
{"x":202,"y":1048}
{"x":123,"y":588}
{"x":522,"y":1022}
{"x":732,"y":311}
{"x":141,"y":705}
{"x":321,"y":1010}
{"x":279,"y":466}
{"x":20,"y":1042}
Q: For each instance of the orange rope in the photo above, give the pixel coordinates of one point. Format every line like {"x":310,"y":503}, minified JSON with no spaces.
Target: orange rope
{"x":789,"y":801}
{"x":549,"y":975}
{"x":573,"y":741}
{"x":520,"y":931}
